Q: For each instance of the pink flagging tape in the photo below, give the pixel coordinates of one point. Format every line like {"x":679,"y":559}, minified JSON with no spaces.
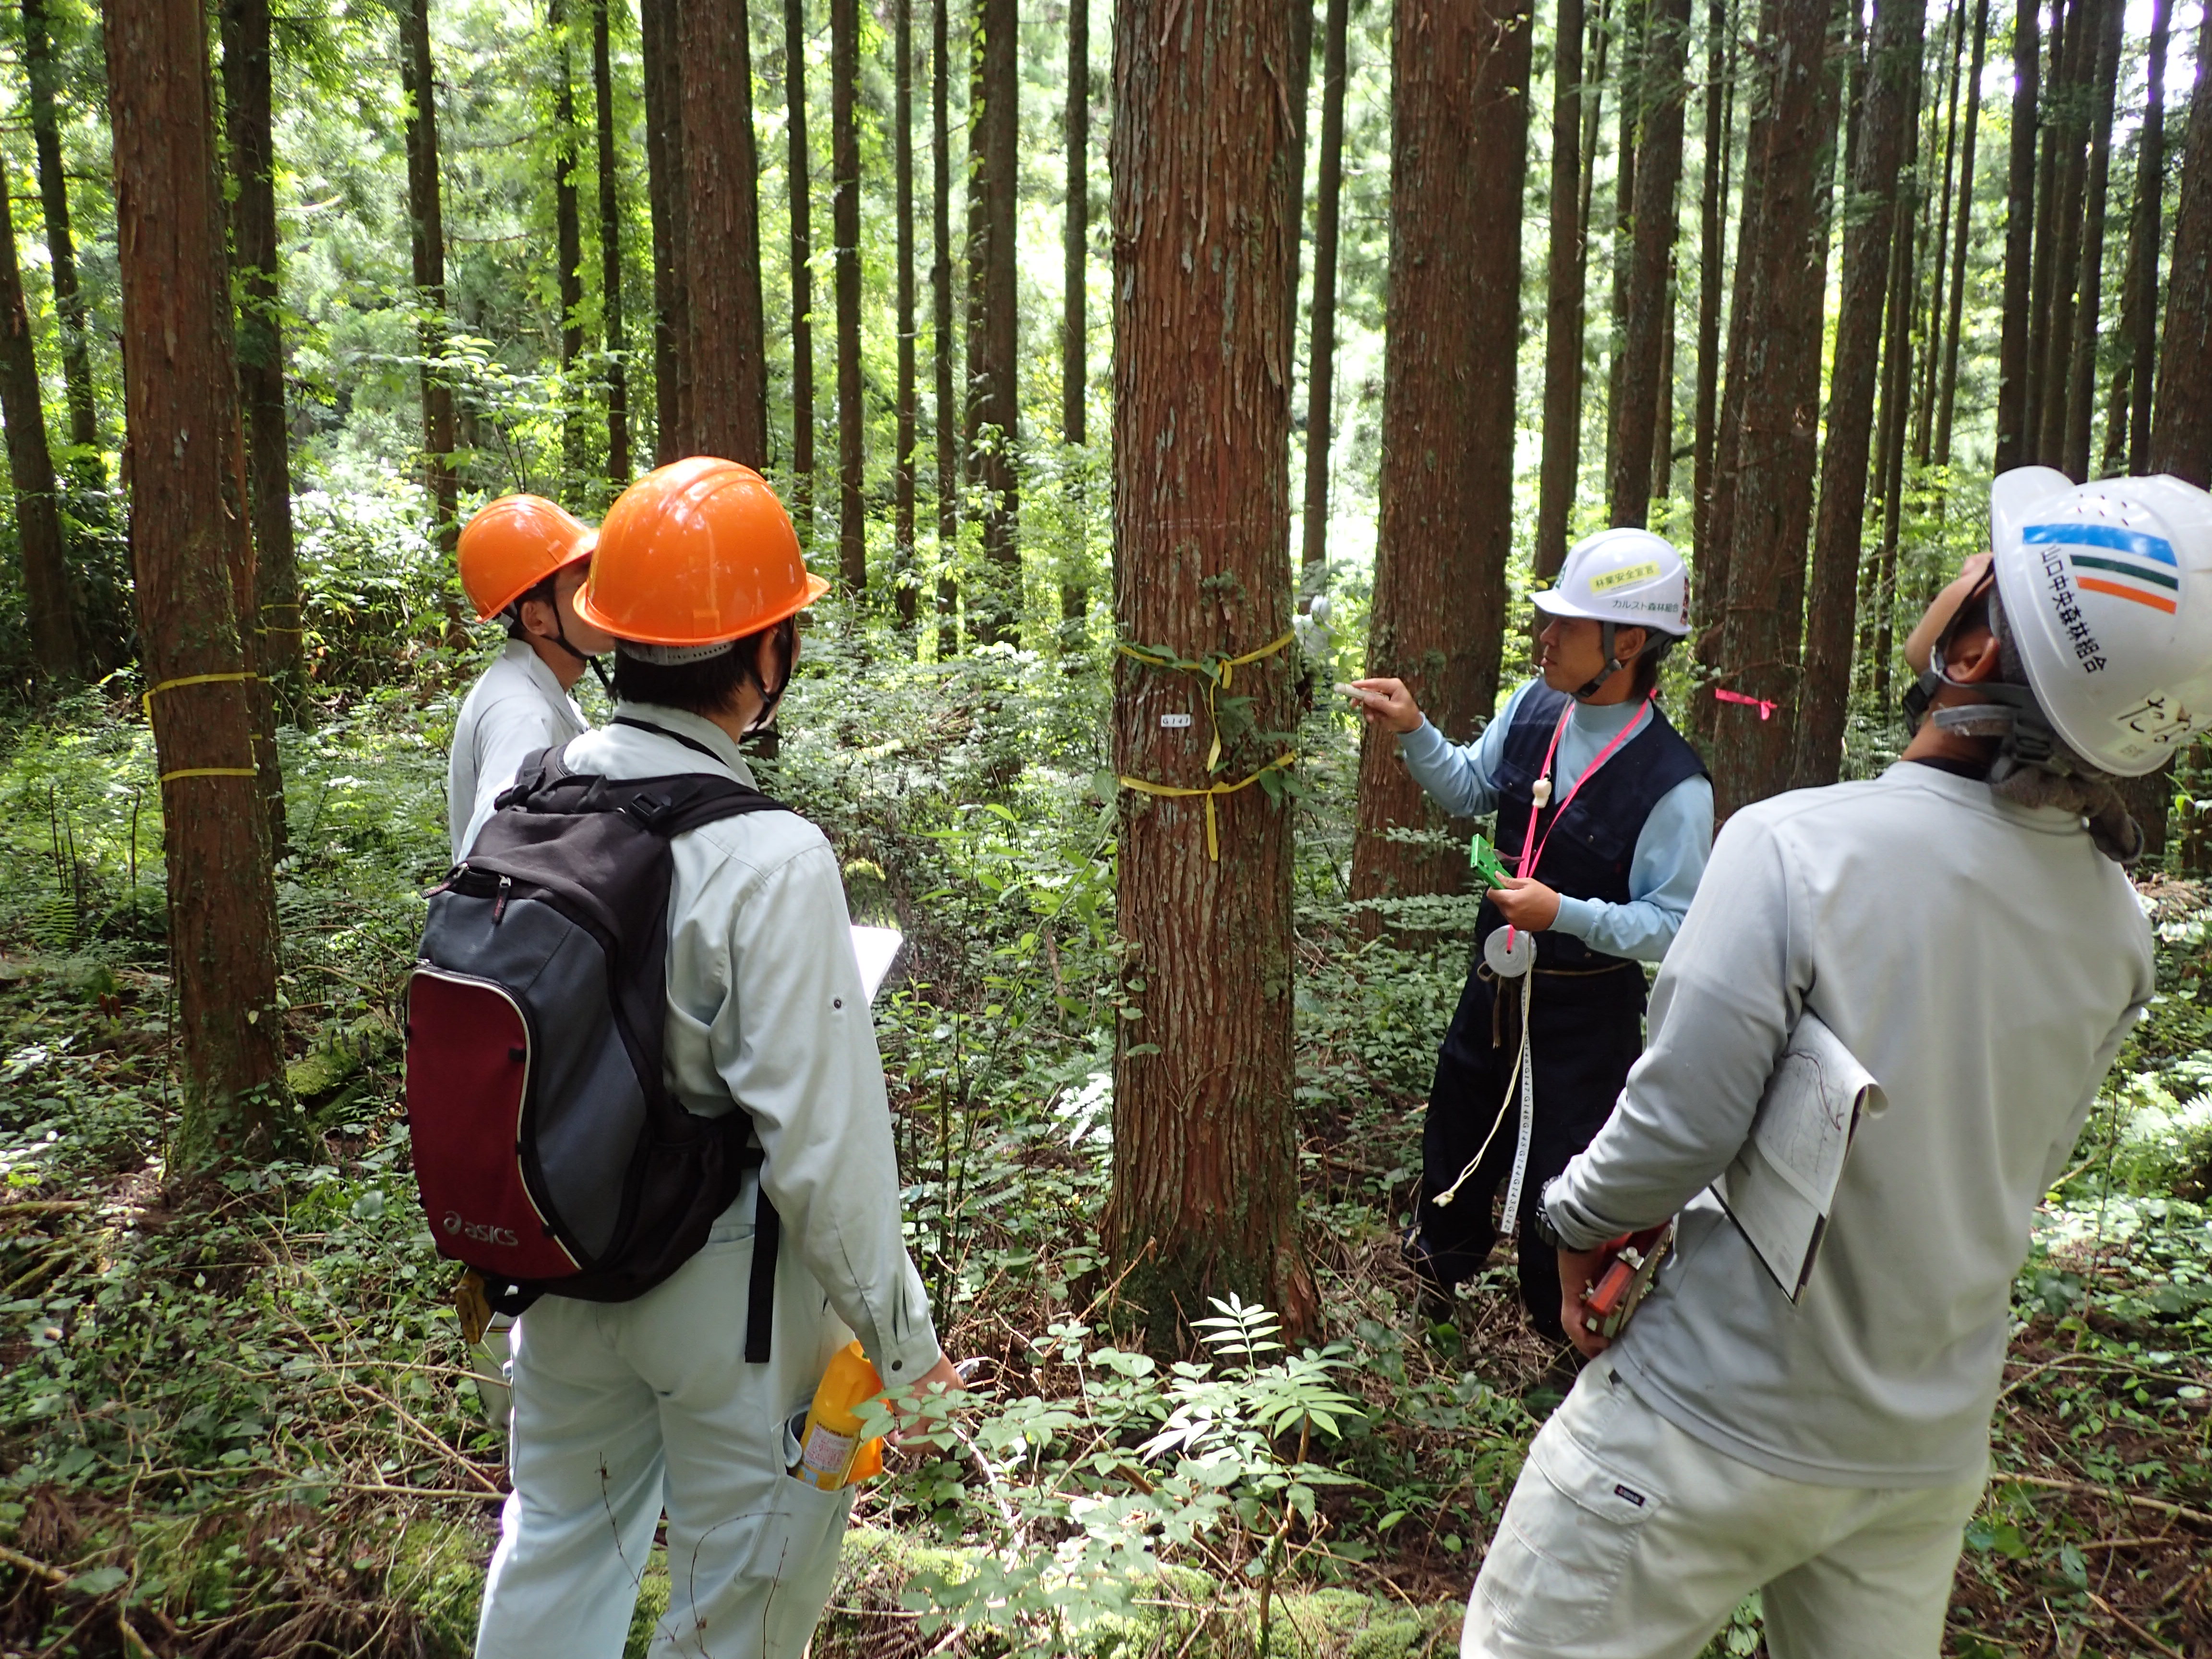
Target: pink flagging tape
{"x":1765,"y":709}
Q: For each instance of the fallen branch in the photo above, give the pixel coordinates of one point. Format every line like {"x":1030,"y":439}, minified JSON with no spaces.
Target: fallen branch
{"x":45,"y":1206}
{"x":2179,"y":1511}
{"x":2115,"y":1614}
{"x":57,"y":1579}
{"x":53,"y":1577}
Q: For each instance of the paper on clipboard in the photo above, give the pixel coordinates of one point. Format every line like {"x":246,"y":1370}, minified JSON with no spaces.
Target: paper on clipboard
{"x":1783,"y":1182}
{"x":876,"y":949}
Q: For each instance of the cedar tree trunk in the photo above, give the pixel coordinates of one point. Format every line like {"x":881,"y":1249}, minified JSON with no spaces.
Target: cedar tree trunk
{"x":844,"y":226}
{"x":192,"y":551}
{"x":44,"y":75}
{"x":995,"y":200}
{"x":2012,"y":445}
{"x":2109,"y":21}
{"x":2150,"y":190}
{"x":47,"y":605}
{"x":1948,"y":394}
{"x":903,"y":165}
{"x":1650,"y":315}
{"x":1870,"y":227}
{"x":664,"y":166}
{"x":1563,"y":299}
{"x":1458,"y":155}
{"x":1712,"y":264}
{"x":610,"y":264}
{"x":2181,"y":424}
{"x":1780,"y":418}
{"x":722,"y":263}
{"x":949,"y":426}
{"x":800,"y":180}
{"x":426,"y":217}
{"x":1321,"y":374}
{"x":568,"y":242}
{"x":1206,"y":1190}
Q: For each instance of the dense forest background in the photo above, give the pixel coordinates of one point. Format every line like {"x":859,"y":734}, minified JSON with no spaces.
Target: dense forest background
{"x":1114,"y":374}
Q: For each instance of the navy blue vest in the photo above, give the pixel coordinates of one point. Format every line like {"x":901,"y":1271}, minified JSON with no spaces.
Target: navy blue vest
{"x":1592,"y":846}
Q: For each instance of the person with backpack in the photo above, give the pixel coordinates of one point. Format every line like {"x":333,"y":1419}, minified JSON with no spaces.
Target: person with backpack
{"x":1604,"y":817}
{"x":523,"y":559}
{"x":647,"y":1105}
{"x":1964,"y":926}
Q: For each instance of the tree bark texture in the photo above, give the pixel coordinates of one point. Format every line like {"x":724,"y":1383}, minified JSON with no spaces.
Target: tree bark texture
{"x":1458,"y":154}
{"x":1321,"y":371}
{"x":611,"y":259}
{"x":1075,"y":236}
{"x":2181,"y":422}
{"x":1889,"y":448}
{"x":664,"y":187}
{"x":844,"y":226}
{"x":903,"y":165}
{"x":44,"y":75}
{"x":2149,"y":204}
{"x":2108,"y":20}
{"x":1712,"y":264}
{"x":1563,"y":299}
{"x":993,"y":408}
{"x":192,"y":552}
{"x":722,"y":265}
{"x":800,"y":180}
{"x":1634,"y":20}
{"x":1781,"y":407}
{"x":2069,"y":130}
{"x":274,"y":618}
{"x":2012,"y":443}
{"x":426,"y":222}
{"x":1205,"y":1196}
{"x":1947,"y":396}
{"x":1952,"y":45}
{"x":568,"y":245}
{"x":1871,"y":226}
{"x":56,"y":649}
{"x":950,"y":425}
{"x":1651,"y":316}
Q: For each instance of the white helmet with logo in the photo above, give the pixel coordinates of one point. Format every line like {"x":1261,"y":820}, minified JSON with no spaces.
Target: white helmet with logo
{"x":2108,"y":596}
{"x":1630,"y":578}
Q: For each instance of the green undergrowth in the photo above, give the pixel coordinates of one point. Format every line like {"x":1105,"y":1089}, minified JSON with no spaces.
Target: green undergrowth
{"x":234,"y":1414}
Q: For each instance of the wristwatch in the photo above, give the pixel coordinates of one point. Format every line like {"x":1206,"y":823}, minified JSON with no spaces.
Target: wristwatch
{"x":1541,"y":1220}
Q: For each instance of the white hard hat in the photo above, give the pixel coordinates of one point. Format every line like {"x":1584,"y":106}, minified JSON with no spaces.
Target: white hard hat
{"x":1629,"y":577}
{"x":2107,"y":594}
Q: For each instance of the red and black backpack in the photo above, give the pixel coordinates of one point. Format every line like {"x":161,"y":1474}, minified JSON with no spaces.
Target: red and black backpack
{"x":549,"y":1154}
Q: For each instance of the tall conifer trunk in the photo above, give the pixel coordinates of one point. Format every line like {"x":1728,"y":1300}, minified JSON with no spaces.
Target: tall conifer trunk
{"x":1562,"y":300}
{"x":192,"y":553}
{"x":569,"y":246}
{"x":2150,"y":190}
{"x":1075,"y":266}
{"x":2181,"y":422}
{"x":1205,"y":1195}
{"x":2070,"y":129}
{"x":610,"y":257}
{"x":950,"y":424}
{"x":664,"y":153}
{"x":1871,"y":226}
{"x":426,"y":216}
{"x":1458,"y":152}
{"x":1954,"y":47}
{"x":1759,"y":644}
{"x":56,"y":651}
{"x":993,"y":410}
{"x":2012,"y":445}
{"x":43,"y":74}
{"x":1650,"y":315}
{"x":1948,"y":393}
{"x":722,"y":264}
{"x":1712,"y":263}
{"x":1320,"y":374}
{"x":2106,"y":22}
{"x":903,"y":165}
{"x":800,"y":188}
{"x":845,"y":226}
{"x":274,"y":620}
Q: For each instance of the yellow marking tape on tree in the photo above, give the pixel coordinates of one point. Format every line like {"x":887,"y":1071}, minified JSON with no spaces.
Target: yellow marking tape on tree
{"x":1176,"y":792}
{"x":230,"y":677}
{"x":1218,"y":672}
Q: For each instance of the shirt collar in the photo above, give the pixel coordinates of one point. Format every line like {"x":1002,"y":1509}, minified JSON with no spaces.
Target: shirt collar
{"x":698,"y":727}
{"x":1602,"y":721}
{"x":541,"y":675}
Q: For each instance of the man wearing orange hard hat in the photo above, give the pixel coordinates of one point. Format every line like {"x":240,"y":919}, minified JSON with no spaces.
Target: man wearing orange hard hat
{"x":670,"y":1399}
{"x":523,"y":558}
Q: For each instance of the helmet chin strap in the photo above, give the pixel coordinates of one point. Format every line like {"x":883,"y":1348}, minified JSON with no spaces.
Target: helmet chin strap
{"x":561,"y":638}
{"x":785,"y":636}
{"x":1591,"y":687}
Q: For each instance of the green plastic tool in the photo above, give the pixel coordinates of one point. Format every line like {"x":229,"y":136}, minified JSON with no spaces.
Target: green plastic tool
{"x":1482,"y":859}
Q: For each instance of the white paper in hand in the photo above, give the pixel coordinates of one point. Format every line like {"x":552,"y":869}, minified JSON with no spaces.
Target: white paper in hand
{"x":1783,"y":1182}
{"x":876,"y":949}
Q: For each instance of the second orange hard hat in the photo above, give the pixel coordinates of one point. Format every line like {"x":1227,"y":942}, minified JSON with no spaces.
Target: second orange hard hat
{"x":514,"y":543}
{"x":695,"y":553}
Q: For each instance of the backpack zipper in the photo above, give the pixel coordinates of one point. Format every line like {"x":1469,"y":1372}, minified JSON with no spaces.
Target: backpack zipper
{"x":499,"y":906}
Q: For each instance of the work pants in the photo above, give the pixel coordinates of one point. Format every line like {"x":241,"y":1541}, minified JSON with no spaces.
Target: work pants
{"x":623,"y":1409}
{"x":1588,"y":1032}
{"x":1627,"y":1538}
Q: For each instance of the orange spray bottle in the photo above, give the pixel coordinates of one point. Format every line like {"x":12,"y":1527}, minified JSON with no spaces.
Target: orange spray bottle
{"x":832,"y":1452}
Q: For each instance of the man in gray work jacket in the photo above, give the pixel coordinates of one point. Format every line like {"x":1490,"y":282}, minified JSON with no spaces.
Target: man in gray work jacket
{"x":1963,"y":924}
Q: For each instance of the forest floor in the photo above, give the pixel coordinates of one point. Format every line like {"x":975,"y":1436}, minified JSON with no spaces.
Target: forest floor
{"x":235,"y":1418}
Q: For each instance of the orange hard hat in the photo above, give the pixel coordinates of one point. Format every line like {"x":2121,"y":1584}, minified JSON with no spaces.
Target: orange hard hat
{"x":514,"y":543}
{"x":695,"y":553}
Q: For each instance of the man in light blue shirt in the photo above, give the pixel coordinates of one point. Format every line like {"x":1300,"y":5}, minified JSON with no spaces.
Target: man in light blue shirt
{"x":1605,"y":814}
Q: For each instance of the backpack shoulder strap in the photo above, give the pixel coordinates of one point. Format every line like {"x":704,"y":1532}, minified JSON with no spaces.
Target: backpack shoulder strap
{"x":541,"y":770}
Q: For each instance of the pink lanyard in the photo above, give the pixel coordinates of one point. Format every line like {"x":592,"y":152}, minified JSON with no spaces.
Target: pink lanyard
{"x":1531,"y":850}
